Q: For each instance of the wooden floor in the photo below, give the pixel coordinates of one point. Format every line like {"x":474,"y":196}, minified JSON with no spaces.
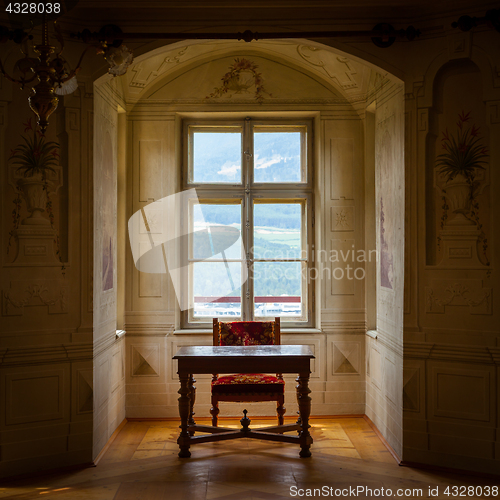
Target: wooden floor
{"x":142,"y":464}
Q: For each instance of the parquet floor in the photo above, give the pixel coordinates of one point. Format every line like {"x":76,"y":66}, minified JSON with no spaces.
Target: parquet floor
{"x":142,"y":464}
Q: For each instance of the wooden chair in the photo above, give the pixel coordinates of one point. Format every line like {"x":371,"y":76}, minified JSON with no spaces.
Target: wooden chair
{"x":252,"y":387}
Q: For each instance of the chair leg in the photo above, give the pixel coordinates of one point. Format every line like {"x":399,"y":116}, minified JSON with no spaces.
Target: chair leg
{"x":214,"y":411}
{"x":281,"y":410}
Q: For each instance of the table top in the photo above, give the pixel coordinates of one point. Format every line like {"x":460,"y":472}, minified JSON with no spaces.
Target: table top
{"x":253,"y":351}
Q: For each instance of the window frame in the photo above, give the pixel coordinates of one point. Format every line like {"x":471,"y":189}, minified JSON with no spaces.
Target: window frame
{"x":249,"y":191}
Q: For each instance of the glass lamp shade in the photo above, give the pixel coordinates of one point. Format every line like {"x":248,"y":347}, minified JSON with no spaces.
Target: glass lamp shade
{"x":119,"y":59}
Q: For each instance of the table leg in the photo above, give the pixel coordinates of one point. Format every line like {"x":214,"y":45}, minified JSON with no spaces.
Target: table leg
{"x":184,"y":408}
{"x":192,"y":397}
{"x":304,"y":401}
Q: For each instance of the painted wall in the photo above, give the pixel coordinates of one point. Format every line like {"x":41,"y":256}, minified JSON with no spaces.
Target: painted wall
{"x":384,"y":359}
{"x":46,"y":383}
{"x":451,"y":362}
{"x":109,"y":352}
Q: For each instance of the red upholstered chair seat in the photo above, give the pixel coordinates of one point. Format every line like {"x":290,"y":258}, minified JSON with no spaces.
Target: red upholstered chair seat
{"x":248,"y":383}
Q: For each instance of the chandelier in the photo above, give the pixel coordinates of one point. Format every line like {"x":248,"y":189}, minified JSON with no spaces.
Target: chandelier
{"x":45,"y":64}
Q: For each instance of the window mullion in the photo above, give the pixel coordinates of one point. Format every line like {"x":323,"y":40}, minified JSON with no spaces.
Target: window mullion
{"x":247,"y":160}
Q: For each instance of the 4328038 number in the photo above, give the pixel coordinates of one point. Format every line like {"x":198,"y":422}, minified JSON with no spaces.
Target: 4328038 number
{"x":33,"y":8}
{"x":471,"y":491}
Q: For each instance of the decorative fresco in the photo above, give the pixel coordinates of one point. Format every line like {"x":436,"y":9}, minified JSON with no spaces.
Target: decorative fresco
{"x":242,"y":77}
{"x":386,"y":259}
{"x":461,"y":170}
{"x":386,"y":190}
{"x":108,"y":213}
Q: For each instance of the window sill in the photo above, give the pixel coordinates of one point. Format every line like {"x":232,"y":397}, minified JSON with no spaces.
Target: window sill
{"x":206,"y":331}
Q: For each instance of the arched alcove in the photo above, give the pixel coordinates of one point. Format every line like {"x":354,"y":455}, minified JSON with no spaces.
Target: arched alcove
{"x":356,"y":212}
{"x":458,"y":106}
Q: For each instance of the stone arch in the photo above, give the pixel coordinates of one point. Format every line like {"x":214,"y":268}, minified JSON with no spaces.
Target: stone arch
{"x":478,"y":57}
{"x":375,"y":63}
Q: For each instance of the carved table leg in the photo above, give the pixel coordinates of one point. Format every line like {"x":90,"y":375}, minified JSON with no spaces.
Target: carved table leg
{"x":299,"y":422}
{"x":214,"y":411}
{"x":280,"y":409}
{"x":304,"y":401}
{"x":192,"y":397}
{"x":184,"y":408}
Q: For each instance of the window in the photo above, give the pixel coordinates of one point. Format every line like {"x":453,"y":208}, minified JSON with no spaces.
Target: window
{"x":251,"y":227}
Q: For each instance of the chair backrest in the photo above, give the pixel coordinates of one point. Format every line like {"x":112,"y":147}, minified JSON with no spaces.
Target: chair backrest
{"x":246,"y":332}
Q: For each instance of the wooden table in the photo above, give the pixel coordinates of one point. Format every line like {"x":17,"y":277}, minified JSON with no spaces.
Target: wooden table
{"x":247,"y":359}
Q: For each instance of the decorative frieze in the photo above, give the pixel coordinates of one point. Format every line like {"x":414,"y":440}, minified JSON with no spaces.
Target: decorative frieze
{"x":27,"y":293}
{"x":449,"y":293}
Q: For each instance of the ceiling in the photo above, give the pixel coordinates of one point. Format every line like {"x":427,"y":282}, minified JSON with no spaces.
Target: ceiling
{"x":201,"y":14}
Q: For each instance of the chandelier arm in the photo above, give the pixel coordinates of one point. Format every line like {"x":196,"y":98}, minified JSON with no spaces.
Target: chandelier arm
{"x":24,"y":82}
{"x":13,"y":80}
{"x":59,"y":36}
{"x":78,"y":66}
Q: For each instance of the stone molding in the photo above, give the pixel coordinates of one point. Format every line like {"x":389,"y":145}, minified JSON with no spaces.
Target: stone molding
{"x":387,"y":340}
{"x":450,"y":352}
{"x":139,"y":330}
{"x":105,"y":343}
{"x":343,"y":326}
{"x":45,"y":354}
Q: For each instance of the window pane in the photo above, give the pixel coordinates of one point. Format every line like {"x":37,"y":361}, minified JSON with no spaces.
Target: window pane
{"x":277,"y":289}
{"x":217,"y":289}
{"x":277,"y":157}
{"x":216,"y":231}
{"x":216,"y":157}
{"x":277,"y":230}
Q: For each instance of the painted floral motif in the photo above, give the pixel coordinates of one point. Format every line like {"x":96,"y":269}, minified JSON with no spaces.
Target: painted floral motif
{"x":465,"y":154}
{"x":248,"y":383}
{"x":386,"y":258}
{"x":246,"y":333}
{"x":248,"y":378}
{"x":16,"y":217}
{"x":36,"y":155}
{"x":241,"y":76}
